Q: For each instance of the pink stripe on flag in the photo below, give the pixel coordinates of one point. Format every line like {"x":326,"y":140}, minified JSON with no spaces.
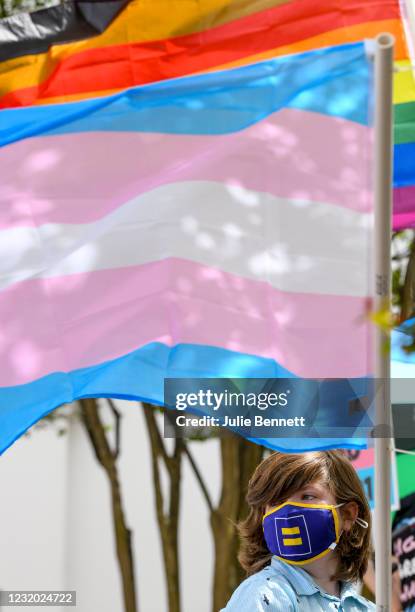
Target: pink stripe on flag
{"x":403,"y":207}
{"x":69,"y":322}
{"x":78,"y":178}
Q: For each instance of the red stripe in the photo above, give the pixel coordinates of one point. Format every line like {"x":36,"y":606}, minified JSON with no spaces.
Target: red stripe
{"x":123,"y":66}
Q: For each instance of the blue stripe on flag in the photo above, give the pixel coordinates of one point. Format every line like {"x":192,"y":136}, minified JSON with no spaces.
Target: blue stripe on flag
{"x":140,"y":376}
{"x":404,"y":165}
{"x":332,"y":81}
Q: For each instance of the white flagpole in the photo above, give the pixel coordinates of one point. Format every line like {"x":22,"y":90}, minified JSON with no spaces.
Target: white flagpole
{"x":383,"y":228}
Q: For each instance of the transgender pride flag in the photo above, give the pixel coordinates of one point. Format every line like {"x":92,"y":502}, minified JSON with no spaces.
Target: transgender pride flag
{"x":217,"y":225}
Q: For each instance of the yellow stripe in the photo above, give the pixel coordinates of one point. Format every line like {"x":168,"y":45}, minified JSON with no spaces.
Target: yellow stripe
{"x":336,"y":524}
{"x":290,"y":530}
{"x":292,"y":541}
{"x":403,"y":85}
{"x":300,"y":504}
{"x":323,"y":554}
{"x":140,"y":21}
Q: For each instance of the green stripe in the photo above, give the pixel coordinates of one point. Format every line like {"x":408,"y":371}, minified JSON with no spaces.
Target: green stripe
{"x":404,"y":123}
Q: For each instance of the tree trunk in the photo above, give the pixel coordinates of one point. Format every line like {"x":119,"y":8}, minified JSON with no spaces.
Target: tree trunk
{"x":223,"y":520}
{"x":168,"y":521}
{"x":239,"y":459}
{"x":251,"y":455}
{"x":108,"y":460}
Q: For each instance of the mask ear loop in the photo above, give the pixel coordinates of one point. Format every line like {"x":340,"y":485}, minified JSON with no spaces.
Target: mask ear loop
{"x":361,"y":522}
{"x":358,"y":520}
{"x":334,"y":544}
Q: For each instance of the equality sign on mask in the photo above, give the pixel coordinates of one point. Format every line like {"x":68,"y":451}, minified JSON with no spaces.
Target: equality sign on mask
{"x":364,"y":463}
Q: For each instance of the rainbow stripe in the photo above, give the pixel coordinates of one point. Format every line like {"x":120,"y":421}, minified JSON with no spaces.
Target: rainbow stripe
{"x":213,"y":225}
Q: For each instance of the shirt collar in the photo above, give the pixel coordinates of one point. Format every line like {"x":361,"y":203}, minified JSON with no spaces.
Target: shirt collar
{"x":300,"y":580}
{"x":303,"y":583}
{"x":349,"y":590}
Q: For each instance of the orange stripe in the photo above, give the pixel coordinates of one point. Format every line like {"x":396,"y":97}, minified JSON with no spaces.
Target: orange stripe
{"x":141,"y":21}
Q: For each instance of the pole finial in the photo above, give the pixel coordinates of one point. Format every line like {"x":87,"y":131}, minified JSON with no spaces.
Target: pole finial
{"x":385,"y":40}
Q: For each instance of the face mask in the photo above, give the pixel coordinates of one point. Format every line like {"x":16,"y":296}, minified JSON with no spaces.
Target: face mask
{"x":299,"y":533}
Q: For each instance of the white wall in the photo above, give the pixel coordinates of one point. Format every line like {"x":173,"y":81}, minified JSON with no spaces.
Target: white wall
{"x":33,"y":513}
{"x":55,"y":520}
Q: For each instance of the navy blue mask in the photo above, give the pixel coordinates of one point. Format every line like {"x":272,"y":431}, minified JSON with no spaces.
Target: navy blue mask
{"x":299,"y":533}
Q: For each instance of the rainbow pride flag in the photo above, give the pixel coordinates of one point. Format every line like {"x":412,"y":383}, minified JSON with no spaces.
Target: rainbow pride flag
{"x":109,"y":46}
{"x":214,"y":225}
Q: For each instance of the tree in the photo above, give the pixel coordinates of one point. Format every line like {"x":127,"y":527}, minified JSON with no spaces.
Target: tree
{"x":107,"y":458}
{"x":238,"y":461}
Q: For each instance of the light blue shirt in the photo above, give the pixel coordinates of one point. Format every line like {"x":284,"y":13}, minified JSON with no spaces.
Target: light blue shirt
{"x":280,"y":587}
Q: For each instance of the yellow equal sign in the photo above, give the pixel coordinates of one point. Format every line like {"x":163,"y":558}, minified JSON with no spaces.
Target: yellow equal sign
{"x":291,"y":541}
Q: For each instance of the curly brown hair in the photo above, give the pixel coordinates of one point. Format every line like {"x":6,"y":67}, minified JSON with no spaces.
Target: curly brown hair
{"x":278,"y":477}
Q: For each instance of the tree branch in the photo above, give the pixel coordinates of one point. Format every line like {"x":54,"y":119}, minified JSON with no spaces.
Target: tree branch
{"x":199,"y":478}
{"x":117,"y":417}
{"x":156,"y":433}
